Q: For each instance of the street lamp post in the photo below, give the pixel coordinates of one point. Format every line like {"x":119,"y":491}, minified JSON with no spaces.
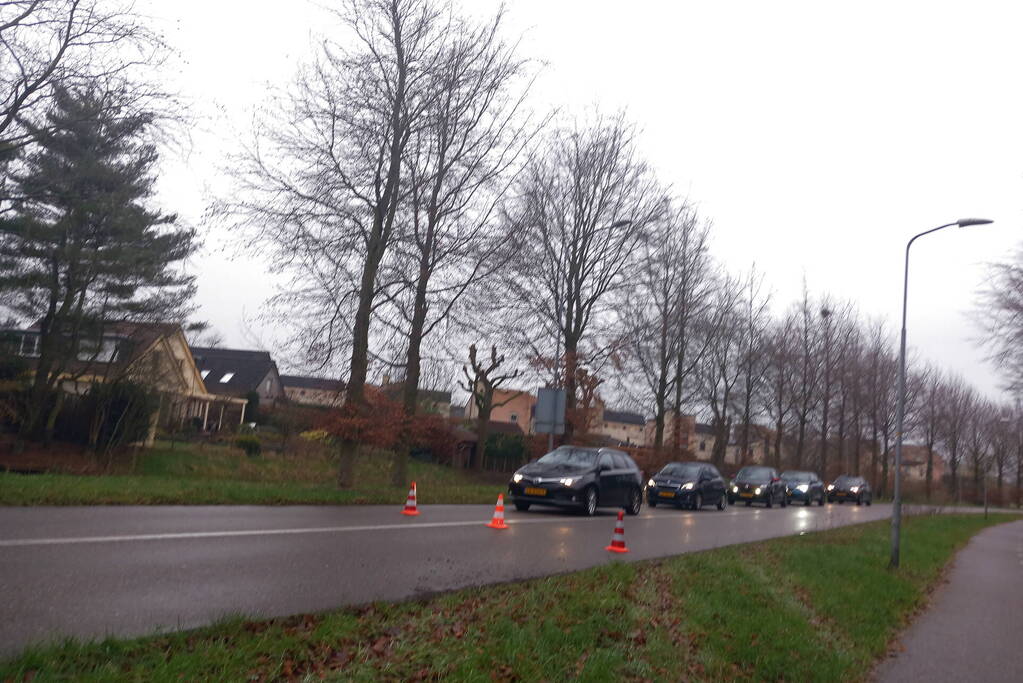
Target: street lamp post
{"x":893,"y":561}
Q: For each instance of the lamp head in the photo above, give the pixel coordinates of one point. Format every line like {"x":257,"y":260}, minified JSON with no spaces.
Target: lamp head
{"x":967,"y":222}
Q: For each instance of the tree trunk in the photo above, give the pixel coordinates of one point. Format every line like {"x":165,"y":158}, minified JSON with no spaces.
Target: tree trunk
{"x":571,"y":363}
{"x":930,"y":471}
{"x":482,"y":432}
{"x":413,"y":371}
{"x":347,"y":450}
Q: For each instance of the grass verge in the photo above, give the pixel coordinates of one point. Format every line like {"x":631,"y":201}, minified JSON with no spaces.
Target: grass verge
{"x":815,"y":607}
{"x":188,"y":475}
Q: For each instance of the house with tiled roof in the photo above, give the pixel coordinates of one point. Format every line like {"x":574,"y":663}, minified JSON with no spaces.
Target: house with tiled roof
{"x":153,"y":354}
{"x":239,"y":373}
{"x":313,"y":391}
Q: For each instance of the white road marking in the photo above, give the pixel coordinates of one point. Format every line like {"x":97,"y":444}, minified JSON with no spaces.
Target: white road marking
{"x":23,"y":542}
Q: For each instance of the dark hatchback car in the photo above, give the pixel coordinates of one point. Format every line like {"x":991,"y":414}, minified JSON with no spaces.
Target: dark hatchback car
{"x":687,"y":484}
{"x":754,"y":484}
{"x":579,"y":478}
{"x":803,"y":486}
{"x":851,"y":488}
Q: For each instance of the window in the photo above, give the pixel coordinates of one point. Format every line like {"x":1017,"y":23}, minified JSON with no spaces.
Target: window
{"x":703,"y":445}
{"x":204,"y":373}
{"x":30,"y":345}
{"x":605,"y":460}
{"x":226,"y":378}
{"x":620,"y":462}
{"x":514,"y":417}
{"x":103,"y":352}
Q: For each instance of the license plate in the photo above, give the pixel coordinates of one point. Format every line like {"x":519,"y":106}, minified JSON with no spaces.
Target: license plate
{"x":745,"y":495}
{"x":666,"y":494}
{"x":532,"y":491}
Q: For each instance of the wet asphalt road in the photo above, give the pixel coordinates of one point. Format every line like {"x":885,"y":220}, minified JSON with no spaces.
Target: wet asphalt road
{"x":92,"y":571}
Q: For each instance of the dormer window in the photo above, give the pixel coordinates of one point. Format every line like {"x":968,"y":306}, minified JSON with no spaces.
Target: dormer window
{"x":226,"y":378}
{"x":204,"y":373}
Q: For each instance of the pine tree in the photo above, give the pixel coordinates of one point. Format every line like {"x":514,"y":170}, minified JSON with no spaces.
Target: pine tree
{"x":81,"y":247}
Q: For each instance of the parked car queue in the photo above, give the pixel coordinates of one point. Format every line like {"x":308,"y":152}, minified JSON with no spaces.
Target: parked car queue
{"x":584,"y":479}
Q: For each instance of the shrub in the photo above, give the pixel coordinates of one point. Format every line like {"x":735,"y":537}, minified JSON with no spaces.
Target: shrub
{"x":315,"y":435}
{"x":249,"y":443}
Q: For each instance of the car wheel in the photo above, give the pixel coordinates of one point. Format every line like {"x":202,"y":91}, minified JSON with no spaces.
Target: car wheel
{"x":635,"y":502}
{"x":652,"y":502}
{"x":784,"y":500}
{"x":808,"y":501}
{"x":770,"y":501}
{"x":820,"y":501}
{"x":698,"y":501}
{"x":721,"y":503}
{"x":869,"y":501}
{"x":859,"y":501}
{"x":521,"y":507}
{"x":590,"y":502}
{"x":731,"y":501}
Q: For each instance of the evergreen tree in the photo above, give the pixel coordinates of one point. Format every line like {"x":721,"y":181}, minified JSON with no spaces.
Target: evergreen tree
{"x":81,"y":247}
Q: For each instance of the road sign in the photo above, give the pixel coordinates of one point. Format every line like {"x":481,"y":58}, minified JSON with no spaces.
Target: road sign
{"x":550,"y":411}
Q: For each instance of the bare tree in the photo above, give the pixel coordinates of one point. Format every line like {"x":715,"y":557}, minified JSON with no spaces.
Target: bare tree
{"x":73,"y":44}
{"x":929,"y":418}
{"x":585,"y":203}
{"x":1001,"y":315}
{"x":755,"y":304}
{"x":958,"y":403}
{"x":778,"y":392}
{"x":658,"y":311}
{"x":722,"y":367}
{"x":459,"y":164}
{"x":808,"y":373}
{"x":323,"y":182}
{"x":482,"y":384}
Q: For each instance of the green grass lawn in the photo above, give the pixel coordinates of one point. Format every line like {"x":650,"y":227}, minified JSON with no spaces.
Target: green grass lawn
{"x":188,"y":474}
{"x":816,"y":607}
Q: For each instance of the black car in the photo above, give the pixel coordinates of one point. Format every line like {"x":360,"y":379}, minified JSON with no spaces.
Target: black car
{"x":687,"y":484}
{"x":581,"y":478}
{"x":851,"y":488}
{"x":804,"y":486}
{"x":755,"y":484}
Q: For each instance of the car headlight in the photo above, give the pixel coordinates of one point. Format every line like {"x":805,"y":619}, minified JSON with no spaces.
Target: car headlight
{"x":516,"y":477}
{"x":831,"y":487}
{"x":802,"y":487}
{"x":854,"y":489}
{"x":735,"y":489}
{"x":688,"y":486}
{"x":651,"y":483}
{"x":567,"y":481}
{"x":756,"y":491}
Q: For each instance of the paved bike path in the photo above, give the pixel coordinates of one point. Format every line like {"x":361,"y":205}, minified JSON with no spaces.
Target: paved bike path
{"x":973,"y":630}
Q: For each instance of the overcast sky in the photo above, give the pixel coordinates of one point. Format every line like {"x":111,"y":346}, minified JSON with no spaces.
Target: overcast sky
{"x":818,"y":138}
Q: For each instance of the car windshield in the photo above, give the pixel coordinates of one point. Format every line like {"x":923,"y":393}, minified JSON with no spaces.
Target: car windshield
{"x":847,"y":481}
{"x":681,"y":470}
{"x":753,"y":474}
{"x":568,"y":455}
{"x":796,"y":476}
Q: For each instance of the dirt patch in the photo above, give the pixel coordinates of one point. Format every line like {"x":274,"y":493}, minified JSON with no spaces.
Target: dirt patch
{"x":58,"y":458}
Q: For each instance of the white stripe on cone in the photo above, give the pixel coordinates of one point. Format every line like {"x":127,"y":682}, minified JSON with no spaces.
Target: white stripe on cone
{"x":410,"y":502}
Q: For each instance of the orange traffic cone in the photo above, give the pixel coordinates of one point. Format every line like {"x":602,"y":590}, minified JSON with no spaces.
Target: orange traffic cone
{"x":498,"y":521}
{"x":410,"y":502}
{"x":618,"y":538}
